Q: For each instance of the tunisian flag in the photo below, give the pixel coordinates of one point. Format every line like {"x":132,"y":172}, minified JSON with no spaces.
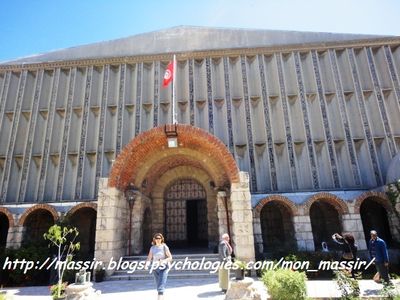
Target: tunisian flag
{"x":169,"y":72}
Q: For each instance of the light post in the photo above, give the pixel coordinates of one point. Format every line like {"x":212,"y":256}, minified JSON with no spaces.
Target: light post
{"x":130,"y":195}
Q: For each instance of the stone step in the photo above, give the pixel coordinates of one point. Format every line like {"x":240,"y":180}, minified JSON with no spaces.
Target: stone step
{"x":123,"y":272}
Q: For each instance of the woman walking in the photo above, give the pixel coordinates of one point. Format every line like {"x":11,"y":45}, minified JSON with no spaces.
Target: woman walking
{"x":349,"y":248}
{"x":159,"y":254}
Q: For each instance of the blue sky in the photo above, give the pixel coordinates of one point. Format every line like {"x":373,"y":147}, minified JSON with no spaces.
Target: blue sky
{"x":30,"y":27}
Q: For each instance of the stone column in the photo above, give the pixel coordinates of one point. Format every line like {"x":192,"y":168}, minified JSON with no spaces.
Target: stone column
{"x":221,"y":212}
{"x":141,"y":203}
{"x":111,"y":225}
{"x":303,"y":233}
{"x":352,"y":224}
{"x":258,"y":239}
{"x":242,"y":219}
{"x":14,"y":236}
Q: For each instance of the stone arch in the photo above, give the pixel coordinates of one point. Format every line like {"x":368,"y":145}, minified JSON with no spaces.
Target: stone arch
{"x":376,"y":213}
{"x":380,"y":197}
{"x":325,"y":211}
{"x":7,"y":213}
{"x":83,"y":216}
{"x":279,"y":198}
{"x":82,"y":205}
{"x":150,"y":147}
{"x":276,"y":223}
{"x":340,"y":205}
{"x":185,"y":172}
{"x":46,"y":207}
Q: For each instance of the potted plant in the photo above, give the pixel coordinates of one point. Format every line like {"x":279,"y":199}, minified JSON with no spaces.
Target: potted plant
{"x":63,"y":238}
{"x":57,"y":291}
{"x":240,"y":269}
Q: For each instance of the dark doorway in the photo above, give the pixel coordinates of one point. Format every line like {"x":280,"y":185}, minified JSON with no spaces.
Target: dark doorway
{"x":84,"y":219}
{"x":4,"y":224}
{"x":36,"y":224}
{"x":277,"y":227}
{"x":186,"y":214}
{"x":374,"y":217}
{"x":325,"y":221}
{"x":147,"y":231}
{"x":196,"y":222}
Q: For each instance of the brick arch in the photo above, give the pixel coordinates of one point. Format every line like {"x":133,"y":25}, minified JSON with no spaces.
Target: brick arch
{"x":181,"y":172}
{"x":30,"y":210}
{"x":9,"y":216}
{"x":77,"y":207}
{"x":153,"y":143}
{"x":332,"y":199}
{"x":379,"y":197}
{"x":277,"y":198}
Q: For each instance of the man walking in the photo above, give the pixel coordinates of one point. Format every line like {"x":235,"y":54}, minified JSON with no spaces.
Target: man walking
{"x":378,"y":250}
{"x":225,"y":252}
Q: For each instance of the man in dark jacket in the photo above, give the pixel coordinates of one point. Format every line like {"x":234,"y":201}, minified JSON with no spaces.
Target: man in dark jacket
{"x":225,"y":252}
{"x":378,"y":250}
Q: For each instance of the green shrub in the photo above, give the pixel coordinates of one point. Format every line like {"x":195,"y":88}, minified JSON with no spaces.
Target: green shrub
{"x":283,"y":284}
{"x":349,"y":287}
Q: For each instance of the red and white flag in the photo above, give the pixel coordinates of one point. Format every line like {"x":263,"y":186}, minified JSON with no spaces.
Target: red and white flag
{"x":169,"y":74}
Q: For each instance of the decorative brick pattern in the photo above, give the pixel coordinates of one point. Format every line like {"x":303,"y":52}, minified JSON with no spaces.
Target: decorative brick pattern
{"x":100,"y":144}
{"x":306,"y":120}
{"x":392,"y":70}
{"x":82,"y":140}
{"x":209,"y":97}
{"x":49,"y":126}
{"x":381,"y":102}
{"x":6,"y":212}
{"x":156,"y":92}
{"x":228,"y":104}
{"x":170,"y":163}
{"x":289,"y":139}
{"x":191,"y":92}
{"x":367,"y":128}
{"x":153,"y":142}
{"x":10,"y":151}
{"x":121,"y":104}
{"x":64,"y":145}
{"x":79,"y":206}
{"x":253,"y":175}
{"x":267,"y":119}
{"x":32,"y":126}
{"x":327,"y":129}
{"x":344,"y":118}
{"x":31,"y":209}
{"x":379,"y":197}
{"x":277,"y":198}
{"x":339,"y":204}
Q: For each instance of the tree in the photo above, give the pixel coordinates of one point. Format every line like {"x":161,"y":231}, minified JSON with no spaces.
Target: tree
{"x":63,"y":237}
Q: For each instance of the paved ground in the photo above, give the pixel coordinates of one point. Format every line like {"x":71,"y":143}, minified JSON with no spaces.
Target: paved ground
{"x":186,"y":289}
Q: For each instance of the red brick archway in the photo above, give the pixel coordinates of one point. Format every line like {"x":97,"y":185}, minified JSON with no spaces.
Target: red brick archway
{"x":82,"y":205}
{"x":277,"y":198}
{"x":9,"y":216}
{"x":46,"y":207}
{"x":148,"y":154}
{"x":332,"y":199}
{"x":379,"y":197}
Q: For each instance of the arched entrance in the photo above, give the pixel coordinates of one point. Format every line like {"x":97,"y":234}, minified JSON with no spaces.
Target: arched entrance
{"x":4,"y":225}
{"x":186,"y":214}
{"x":325,"y":221}
{"x":84,"y":219}
{"x":375,"y":217}
{"x":277,"y":227}
{"x":36,"y":224}
{"x":144,"y":174}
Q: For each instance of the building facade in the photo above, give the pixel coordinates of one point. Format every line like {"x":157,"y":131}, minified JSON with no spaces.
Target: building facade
{"x":283,"y":138}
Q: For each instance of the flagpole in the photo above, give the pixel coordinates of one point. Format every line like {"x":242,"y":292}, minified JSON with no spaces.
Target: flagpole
{"x":174,"y":116}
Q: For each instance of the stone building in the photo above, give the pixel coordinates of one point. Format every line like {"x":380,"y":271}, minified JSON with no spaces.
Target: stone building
{"x":283,"y":138}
